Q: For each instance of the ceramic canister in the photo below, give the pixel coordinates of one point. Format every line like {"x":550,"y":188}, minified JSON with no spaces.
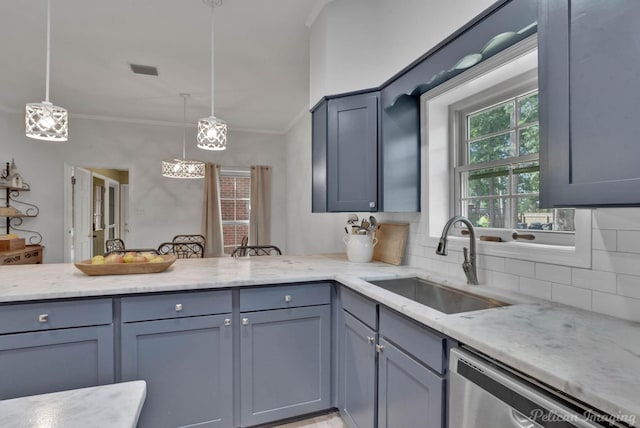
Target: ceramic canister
{"x":360,"y":247}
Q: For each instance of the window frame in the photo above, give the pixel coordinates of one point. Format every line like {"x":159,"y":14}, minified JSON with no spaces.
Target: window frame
{"x":438,"y":160}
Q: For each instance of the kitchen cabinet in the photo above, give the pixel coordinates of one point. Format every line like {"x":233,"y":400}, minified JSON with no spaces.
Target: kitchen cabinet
{"x":588,"y":78}
{"x":345,"y":154}
{"x":392,"y":371}
{"x":181,"y":344}
{"x":285,"y":349}
{"x":55,"y":346}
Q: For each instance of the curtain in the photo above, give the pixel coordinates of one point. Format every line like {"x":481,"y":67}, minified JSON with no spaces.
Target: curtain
{"x":260,"y":219}
{"x":211,"y":212}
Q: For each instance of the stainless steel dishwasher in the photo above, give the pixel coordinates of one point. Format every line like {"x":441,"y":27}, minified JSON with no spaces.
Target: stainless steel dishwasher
{"x":484,"y":394}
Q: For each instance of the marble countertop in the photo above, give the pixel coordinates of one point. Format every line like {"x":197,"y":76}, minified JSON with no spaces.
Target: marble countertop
{"x":592,"y":357}
{"x":106,"y":406}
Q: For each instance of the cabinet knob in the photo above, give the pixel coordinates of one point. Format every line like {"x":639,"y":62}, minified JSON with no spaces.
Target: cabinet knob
{"x":371,"y":340}
{"x":287,"y":298}
{"x":178,"y":307}
{"x":43,"y":318}
{"x":245,"y":321}
{"x":372,"y":204}
{"x":227,"y":322}
{"x":379,"y":348}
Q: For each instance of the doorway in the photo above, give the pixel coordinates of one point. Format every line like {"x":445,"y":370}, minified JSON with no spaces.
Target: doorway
{"x":93,"y":209}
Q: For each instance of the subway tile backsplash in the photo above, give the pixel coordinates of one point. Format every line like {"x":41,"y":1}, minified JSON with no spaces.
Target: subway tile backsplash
{"x":610,"y":286}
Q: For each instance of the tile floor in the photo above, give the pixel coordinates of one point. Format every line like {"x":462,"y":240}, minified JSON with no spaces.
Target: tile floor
{"x":330,"y":420}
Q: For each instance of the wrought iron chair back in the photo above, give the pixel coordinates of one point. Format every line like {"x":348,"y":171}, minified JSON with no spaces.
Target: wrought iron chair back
{"x":189,"y":238}
{"x":184,"y":250}
{"x":256,"y":250}
{"x":114,"y":245}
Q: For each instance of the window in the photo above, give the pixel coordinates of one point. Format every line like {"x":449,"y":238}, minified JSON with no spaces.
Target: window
{"x":235,"y":189}
{"x":507,"y":76}
{"x":497,"y":171}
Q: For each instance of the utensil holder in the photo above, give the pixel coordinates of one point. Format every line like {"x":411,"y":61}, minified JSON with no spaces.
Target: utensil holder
{"x":360,"y":247}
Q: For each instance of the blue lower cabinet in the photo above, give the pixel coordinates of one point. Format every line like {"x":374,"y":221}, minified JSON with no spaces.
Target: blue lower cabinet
{"x":187,"y":364}
{"x":285,"y":367}
{"x":357,"y":373}
{"x":409,"y":394}
{"x":55,"y":360}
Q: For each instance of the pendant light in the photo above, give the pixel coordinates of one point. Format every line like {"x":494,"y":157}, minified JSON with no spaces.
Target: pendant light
{"x":45,"y":121}
{"x":183,"y":168}
{"x":212,"y":132}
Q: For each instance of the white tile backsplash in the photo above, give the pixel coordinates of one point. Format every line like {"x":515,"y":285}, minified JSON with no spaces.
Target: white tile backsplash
{"x":535,"y":288}
{"x":628,"y":241}
{"x":627,"y":263}
{"x":569,"y":295}
{"x":553,"y":273}
{"x":520,"y":267}
{"x":604,"y":240}
{"x":594,"y":280}
{"x":629,"y":286}
{"x":616,"y":306}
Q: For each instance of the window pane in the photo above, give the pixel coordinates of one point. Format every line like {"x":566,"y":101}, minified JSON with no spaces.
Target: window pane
{"x":530,"y":216}
{"x":528,"y":109}
{"x":228,"y":210}
{"x":487,"y":182}
{"x":227,"y":187}
{"x":243,"y":187}
{"x":229,"y":235}
{"x":242,"y":210}
{"x":529,"y":139}
{"x":497,"y":147}
{"x":487,"y":212}
{"x":495,"y":119}
{"x":527,"y":178}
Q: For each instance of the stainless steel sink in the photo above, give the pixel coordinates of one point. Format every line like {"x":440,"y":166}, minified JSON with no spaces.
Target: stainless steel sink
{"x":444,"y":299}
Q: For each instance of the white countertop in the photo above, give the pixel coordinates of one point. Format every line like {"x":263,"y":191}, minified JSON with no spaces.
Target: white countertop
{"x":592,"y":357}
{"x":107,"y":406}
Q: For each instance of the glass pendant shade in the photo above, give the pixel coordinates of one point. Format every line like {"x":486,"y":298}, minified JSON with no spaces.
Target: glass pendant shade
{"x":212,"y":133}
{"x":44,"y":121}
{"x":183,"y":168}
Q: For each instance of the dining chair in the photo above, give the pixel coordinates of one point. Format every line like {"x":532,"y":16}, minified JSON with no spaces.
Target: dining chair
{"x":183,"y":250}
{"x":114,"y":245}
{"x":256,"y":250}
{"x":189,"y":238}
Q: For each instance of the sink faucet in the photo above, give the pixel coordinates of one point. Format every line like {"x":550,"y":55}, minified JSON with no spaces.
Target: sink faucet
{"x":469,"y":264}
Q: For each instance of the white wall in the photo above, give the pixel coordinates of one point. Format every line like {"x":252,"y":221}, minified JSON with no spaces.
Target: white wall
{"x":160,"y":207}
{"x":359,"y":44}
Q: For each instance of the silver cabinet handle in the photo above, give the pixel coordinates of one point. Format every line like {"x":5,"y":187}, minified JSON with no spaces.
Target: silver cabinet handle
{"x":371,"y":340}
{"x":43,"y":318}
{"x":287,"y":298}
{"x":178,"y":307}
{"x":227,"y":322}
{"x":245,"y":321}
{"x":379,"y":348}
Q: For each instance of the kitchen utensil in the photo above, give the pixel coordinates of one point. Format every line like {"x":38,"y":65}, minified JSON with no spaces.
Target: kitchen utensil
{"x":373,"y":224}
{"x":352,"y":219}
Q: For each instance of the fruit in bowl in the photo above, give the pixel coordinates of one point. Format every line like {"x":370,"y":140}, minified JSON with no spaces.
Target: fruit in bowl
{"x":97,"y":260}
{"x":112,"y":259}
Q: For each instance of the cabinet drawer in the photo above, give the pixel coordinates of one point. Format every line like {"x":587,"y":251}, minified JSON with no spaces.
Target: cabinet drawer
{"x":286,"y":296}
{"x":175,"y":305}
{"x":425,"y":345}
{"x":359,"y":306}
{"x":51,"y":315}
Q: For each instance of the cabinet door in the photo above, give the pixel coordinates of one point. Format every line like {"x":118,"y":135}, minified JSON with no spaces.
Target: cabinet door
{"x":285,"y":367}
{"x":588,"y":77}
{"x":187,"y":365}
{"x":358,"y":374}
{"x":352,"y":153}
{"x":409,"y":394}
{"x":55,"y":360}
{"x":319,"y":159}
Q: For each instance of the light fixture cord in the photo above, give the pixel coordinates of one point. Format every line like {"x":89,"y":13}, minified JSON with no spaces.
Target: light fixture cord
{"x":184,"y":126}
{"x":212,"y":58}
{"x":48,"y":48}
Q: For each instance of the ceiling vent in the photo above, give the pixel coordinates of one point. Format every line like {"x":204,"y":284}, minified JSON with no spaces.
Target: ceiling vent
{"x":149,"y":70}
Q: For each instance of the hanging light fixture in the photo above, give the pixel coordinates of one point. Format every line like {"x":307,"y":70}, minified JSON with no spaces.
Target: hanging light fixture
{"x":183,"y":168}
{"x":212,"y":132}
{"x":45,"y":121}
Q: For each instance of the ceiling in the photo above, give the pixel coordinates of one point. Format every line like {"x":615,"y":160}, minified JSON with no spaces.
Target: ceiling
{"x":261,"y":59}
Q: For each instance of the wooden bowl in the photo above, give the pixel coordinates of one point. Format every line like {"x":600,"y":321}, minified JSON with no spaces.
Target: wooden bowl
{"x":125,"y":268}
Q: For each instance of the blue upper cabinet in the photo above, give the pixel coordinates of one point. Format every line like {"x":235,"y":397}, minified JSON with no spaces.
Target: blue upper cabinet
{"x":589,"y":90}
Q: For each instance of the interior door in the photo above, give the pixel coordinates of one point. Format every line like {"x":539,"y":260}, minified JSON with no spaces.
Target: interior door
{"x":82,"y":226}
{"x":112,"y":210}
{"x":124,"y":212}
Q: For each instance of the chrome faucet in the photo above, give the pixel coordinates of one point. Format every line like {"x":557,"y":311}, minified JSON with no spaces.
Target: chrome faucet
{"x":469,"y":264}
